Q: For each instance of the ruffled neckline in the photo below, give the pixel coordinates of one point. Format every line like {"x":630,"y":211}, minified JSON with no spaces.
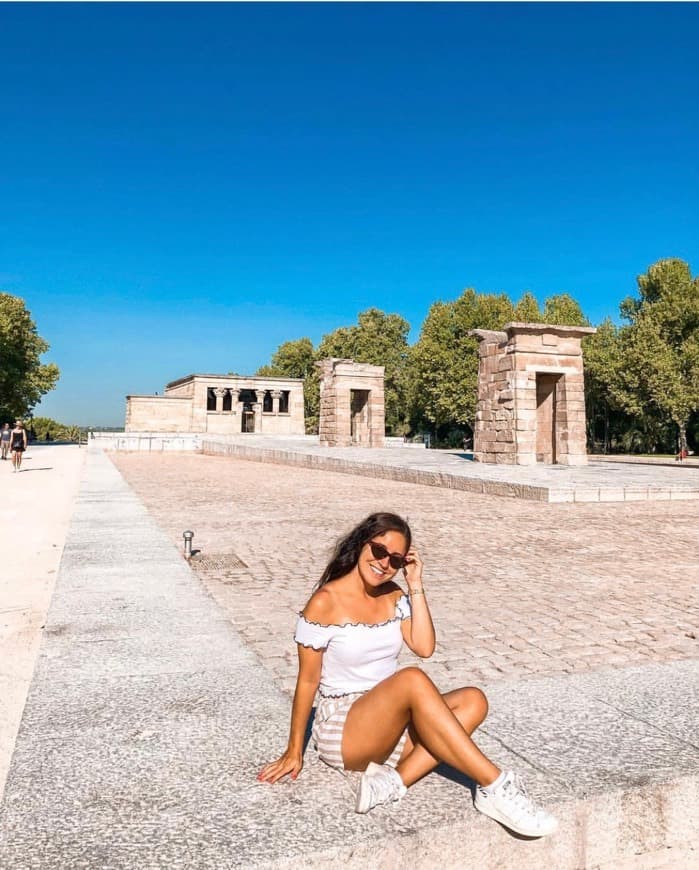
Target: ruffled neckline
{"x":397,"y":618}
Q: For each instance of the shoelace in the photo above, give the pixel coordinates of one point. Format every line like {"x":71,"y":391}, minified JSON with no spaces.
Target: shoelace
{"x":382,"y":789}
{"x":516,"y":792}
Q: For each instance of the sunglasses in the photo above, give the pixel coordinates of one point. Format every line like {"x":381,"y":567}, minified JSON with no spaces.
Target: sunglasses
{"x":395,"y":560}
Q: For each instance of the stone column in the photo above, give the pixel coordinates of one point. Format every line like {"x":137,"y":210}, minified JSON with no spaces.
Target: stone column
{"x":276,"y":396}
{"x":220,"y":393}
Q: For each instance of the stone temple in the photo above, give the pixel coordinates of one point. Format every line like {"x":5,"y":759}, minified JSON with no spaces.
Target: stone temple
{"x":531,"y":395}
{"x":221,"y":405}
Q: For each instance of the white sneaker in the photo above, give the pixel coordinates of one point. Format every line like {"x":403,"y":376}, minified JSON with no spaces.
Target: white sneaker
{"x":380,"y":784}
{"x":508,"y":803}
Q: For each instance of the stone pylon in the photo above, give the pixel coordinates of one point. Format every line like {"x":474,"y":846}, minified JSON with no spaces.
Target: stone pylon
{"x":531,"y":396}
{"x":352,"y":411}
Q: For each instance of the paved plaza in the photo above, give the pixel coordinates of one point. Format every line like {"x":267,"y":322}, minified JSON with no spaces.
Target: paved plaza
{"x":160,"y":690}
{"x":517,"y":588}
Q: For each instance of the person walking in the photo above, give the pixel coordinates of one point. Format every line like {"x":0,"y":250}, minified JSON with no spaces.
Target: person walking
{"x":18,"y":444}
{"x":5,"y":440}
{"x":392,"y":725}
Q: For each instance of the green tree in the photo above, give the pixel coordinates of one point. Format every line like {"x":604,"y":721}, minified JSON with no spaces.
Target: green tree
{"x":602,"y":360}
{"x":444,"y":361}
{"x":660,"y":346}
{"x":295,"y":359}
{"x":378,"y":339}
{"x":527,"y":310}
{"x":24,"y":379}
{"x":563,"y":310}
{"x":47,"y":429}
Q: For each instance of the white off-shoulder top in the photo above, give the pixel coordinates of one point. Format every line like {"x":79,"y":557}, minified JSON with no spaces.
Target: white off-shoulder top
{"x":357,"y":655}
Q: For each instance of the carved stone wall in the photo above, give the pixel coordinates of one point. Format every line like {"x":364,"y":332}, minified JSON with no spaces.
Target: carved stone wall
{"x":352,"y":411}
{"x":531,"y":396}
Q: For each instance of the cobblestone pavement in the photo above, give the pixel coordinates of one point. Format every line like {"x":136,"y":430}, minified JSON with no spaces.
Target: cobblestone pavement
{"x":517,"y":588}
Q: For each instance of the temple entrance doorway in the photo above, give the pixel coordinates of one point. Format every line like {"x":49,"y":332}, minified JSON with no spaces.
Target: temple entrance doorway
{"x":547,"y":387}
{"x":247,"y":419}
{"x":351,"y":404}
{"x":247,"y":399}
{"x":359,"y":417}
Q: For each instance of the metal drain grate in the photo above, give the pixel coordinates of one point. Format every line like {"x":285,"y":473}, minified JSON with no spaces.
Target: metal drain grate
{"x":217,"y":562}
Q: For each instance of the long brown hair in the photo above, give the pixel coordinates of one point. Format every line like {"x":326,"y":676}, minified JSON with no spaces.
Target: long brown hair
{"x":347,"y":549}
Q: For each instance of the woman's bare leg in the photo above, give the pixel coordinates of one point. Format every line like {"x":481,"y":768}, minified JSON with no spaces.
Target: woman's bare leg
{"x":470,"y":706}
{"x":376,"y":721}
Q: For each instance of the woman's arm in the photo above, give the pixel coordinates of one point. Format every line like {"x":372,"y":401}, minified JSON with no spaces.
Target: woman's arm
{"x":291,"y":761}
{"x":418,"y":631}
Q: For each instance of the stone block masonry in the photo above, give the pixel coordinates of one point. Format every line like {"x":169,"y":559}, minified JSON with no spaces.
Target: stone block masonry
{"x":531,"y":405}
{"x":352,"y":409}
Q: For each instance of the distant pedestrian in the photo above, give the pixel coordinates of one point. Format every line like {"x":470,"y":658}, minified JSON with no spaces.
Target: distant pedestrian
{"x":393,"y":725}
{"x":18,"y":445}
{"x":5,"y":437}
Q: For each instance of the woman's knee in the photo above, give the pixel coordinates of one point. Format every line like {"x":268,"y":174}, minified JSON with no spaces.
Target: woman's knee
{"x":472,"y":703}
{"x":415,"y":679}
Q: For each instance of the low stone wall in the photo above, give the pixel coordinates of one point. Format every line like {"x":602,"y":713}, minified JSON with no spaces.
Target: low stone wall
{"x":188,"y":442}
{"x":390,"y":441}
{"x":338,"y":461}
{"x":149,"y":442}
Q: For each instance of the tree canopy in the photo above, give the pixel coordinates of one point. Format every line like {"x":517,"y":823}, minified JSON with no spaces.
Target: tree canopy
{"x":295,"y":359}
{"x":640,"y":379}
{"x":444,"y":361}
{"x":378,"y":339}
{"x":658,"y":364}
{"x":47,"y":429}
{"x":24,"y":379}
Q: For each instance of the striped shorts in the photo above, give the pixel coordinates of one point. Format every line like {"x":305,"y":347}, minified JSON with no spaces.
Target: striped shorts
{"x":329,"y":724}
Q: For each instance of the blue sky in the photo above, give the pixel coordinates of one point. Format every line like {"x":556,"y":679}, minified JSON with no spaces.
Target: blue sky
{"x":185,"y":186}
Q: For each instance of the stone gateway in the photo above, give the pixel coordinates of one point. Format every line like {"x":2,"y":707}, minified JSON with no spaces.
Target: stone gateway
{"x":352,"y":410}
{"x":531,"y":398}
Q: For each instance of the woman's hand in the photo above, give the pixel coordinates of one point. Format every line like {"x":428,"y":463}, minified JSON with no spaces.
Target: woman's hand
{"x":413,"y":569}
{"x":289,"y":763}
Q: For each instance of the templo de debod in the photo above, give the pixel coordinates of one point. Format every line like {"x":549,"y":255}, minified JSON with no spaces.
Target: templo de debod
{"x":531,"y":400}
{"x":221,"y":405}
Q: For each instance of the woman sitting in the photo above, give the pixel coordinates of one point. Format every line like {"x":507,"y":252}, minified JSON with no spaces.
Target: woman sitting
{"x":392,"y":724}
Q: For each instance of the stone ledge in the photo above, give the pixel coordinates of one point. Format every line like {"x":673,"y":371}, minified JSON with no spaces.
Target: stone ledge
{"x":437,"y":470}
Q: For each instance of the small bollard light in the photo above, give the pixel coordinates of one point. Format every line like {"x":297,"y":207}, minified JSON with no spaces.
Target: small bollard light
{"x":188,"y":544}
